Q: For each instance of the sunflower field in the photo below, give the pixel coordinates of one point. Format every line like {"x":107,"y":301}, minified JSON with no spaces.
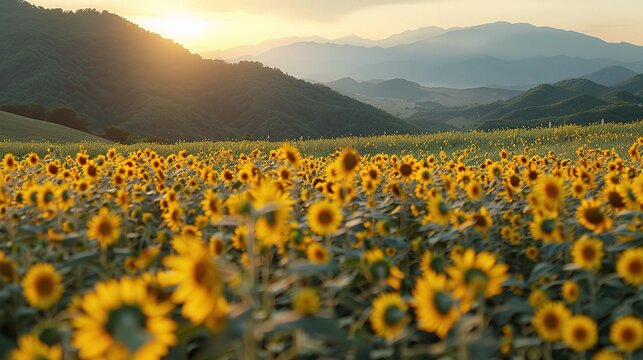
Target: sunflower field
{"x":523,"y":253}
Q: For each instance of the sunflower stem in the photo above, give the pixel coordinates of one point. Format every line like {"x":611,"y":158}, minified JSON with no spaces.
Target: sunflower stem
{"x":592,"y":290}
{"x":547,"y":352}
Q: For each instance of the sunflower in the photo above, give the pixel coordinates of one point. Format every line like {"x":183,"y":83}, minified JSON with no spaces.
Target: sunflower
{"x":537,"y":297}
{"x":199,"y":284}
{"x":606,"y":354}
{"x":348,"y":163}
{"x":474,"y":190}
{"x":30,"y":348}
{"x":482,"y":220}
{"x":549,"y":320}
{"x":33,"y":159}
{"x":590,"y":214}
{"x":173,"y":216}
{"x":212,"y":206}
{"x":579,"y":189}
{"x":119,"y":320}
{"x":389,"y":318}
{"x":9,"y":161}
{"x":7,"y":269}
{"x":627,"y":333}
{"x":587,"y":253}
{"x":290,"y":154}
{"x":436,"y":308}
{"x":616,"y":196}
{"x":439,"y":210}
{"x":306,"y":301}
{"x":476,"y":275}
{"x":570,"y":291}
{"x":42,"y":286}
{"x":324,"y":217}
{"x":406,"y":168}
{"x":532,"y":253}
{"x":580,"y":333}
{"x":104,"y":227}
{"x":551,"y":191}
{"x":545,"y":228}
{"x":92,"y":171}
{"x":317,"y":254}
{"x":630,"y":266}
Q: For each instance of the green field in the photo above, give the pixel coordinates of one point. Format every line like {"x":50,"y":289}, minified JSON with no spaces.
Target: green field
{"x":561,"y":140}
{"x":22,"y":129}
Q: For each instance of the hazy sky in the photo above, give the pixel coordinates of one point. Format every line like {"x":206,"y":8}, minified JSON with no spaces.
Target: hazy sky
{"x":203,"y":25}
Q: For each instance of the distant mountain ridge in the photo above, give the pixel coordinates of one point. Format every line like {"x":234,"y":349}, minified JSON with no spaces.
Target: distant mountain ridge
{"x":503,"y":54}
{"x":610,"y":75}
{"x":116,"y":74}
{"x":407,"y":90}
{"x":578,"y":101}
{"x":405,"y":37}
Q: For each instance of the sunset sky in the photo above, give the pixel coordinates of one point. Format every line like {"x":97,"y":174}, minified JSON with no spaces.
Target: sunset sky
{"x":202,"y":25}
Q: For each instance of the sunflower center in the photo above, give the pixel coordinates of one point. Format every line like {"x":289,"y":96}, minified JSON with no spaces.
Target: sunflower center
{"x":477,"y":280}
{"x":635,"y":267}
{"x":628,"y":335}
{"x":201,"y":272}
{"x":325,"y":217}
{"x":480,"y":220}
{"x":393,"y":315}
{"x":514,"y":180}
{"x":594,"y":215}
{"x":319,"y":254}
{"x":105,"y":228}
{"x":551,"y":321}
{"x":580,"y":334}
{"x":406,"y":170}
{"x":589,"y":253}
{"x":349,"y":162}
{"x":44,"y":285}
{"x":127,"y":325}
{"x":292,"y":158}
{"x":218,"y":247}
{"x":443,"y":302}
{"x":552,"y":191}
{"x":615,"y":199}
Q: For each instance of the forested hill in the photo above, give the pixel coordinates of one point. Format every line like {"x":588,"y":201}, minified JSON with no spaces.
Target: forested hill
{"x":116,"y":74}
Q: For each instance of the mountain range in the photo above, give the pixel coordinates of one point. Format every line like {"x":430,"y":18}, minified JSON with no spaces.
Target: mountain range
{"x":499,"y":54}
{"x":578,"y":101}
{"x":115,"y":74}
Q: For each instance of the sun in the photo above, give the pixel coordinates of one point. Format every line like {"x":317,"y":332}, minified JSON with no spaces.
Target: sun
{"x":182,"y":28}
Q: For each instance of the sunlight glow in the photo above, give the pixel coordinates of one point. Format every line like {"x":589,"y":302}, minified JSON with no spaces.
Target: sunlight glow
{"x":181,"y":28}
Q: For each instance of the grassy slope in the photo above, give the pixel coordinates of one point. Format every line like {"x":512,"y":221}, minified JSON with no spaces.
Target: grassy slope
{"x":562,"y":140}
{"x":18,"y":128}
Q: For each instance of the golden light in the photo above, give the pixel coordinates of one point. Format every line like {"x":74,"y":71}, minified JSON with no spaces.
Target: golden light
{"x":181,"y":28}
